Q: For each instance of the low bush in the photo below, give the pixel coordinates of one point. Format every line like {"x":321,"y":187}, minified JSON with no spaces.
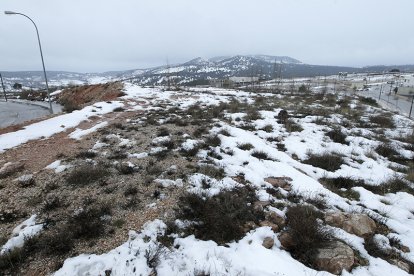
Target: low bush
{"x":386,"y":150}
{"x":369,"y":101}
{"x":261,"y":155}
{"x":343,"y":186}
{"x":86,"y":174}
{"x":337,"y":136}
{"x":292,"y":126}
{"x":268,"y":128}
{"x":212,"y":171}
{"x":382,"y":121}
{"x":220,"y":218}
{"x":87,"y":223}
{"x":245,"y":146}
{"x":308,"y":235}
{"x":327,"y":161}
{"x":213,"y":141}
{"x":163,"y":132}
{"x":86,"y":154}
{"x":252,"y":114}
{"x":117,"y":154}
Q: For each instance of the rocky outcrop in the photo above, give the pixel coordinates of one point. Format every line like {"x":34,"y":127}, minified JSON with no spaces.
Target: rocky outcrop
{"x":276,"y":219}
{"x":280,"y":182}
{"x":334,"y":257}
{"x":357,"y":224}
{"x":286,"y":240}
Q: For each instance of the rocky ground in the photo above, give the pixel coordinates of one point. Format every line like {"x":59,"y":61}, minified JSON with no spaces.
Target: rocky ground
{"x":304,"y":182}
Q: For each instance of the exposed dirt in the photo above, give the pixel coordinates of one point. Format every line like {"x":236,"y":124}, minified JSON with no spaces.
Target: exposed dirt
{"x":82,"y":96}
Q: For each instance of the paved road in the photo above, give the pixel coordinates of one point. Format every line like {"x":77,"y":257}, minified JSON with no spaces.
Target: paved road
{"x":12,"y":113}
{"x":399,"y":103}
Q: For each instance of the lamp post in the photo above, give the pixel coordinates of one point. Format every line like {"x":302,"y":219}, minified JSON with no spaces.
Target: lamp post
{"x":41,"y":54}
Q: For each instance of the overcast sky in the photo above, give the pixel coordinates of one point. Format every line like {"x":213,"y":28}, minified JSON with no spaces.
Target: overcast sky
{"x":103,"y":35}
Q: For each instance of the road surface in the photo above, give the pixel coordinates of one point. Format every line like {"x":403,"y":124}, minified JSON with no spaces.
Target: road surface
{"x":396,"y":102}
{"x":12,"y":113}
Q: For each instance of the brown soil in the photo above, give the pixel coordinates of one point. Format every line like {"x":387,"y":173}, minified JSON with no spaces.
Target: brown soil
{"x":86,"y":95}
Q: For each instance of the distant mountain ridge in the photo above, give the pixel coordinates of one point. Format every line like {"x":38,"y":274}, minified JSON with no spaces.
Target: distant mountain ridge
{"x":197,"y":70}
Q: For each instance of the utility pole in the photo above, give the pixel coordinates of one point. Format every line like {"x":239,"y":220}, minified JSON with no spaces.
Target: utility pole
{"x":379,"y":98}
{"x":41,"y":54}
{"x":411,"y":108}
{"x":2,"y":85}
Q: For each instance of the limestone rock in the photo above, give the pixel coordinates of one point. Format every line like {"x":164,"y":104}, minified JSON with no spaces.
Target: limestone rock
{"x":334,"y":257}
{"x":268,"y":242}
{"x":286,"y":240}
{"x":260,"y":205}
{"x":274,"y":227}
{"x":280,"y":182}
{"x":358,"y":224}
{"x":276,"y":219}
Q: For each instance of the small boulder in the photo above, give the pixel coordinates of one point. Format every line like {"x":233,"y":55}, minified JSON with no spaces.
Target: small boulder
{"x":260,"y":205}
{"x":335,"y":257}
{"x":268,"y":242}
{"x":280,"y":182}
{"x":286,"y":240}
{"x":358,"y":224}
{"x":274,"y":227}
{"x":276,"y":219}
{"x":10,"y":168}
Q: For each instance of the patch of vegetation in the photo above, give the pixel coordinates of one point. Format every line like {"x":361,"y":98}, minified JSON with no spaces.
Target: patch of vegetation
{"x":117,"y":154}
{"x":86,"y":154}
{"x":87,"y":223}
{"x":261,"y":155}
{"x":220,"y":218}
{"x":368,"y":101}
{"x":69,"y":105}
{"x":382,"y":120}
{"x":212,"y":171}
{"x":292,"y":126}
{"x":327,"y":161}
{"x":213,"y":141}
{"x":307,"y":234}
{"x":200,"y":131}
{"x":252,"y":114}
{"x":386,"y":150}
{"x":337,"y":136}
{"x":124,"y":168}
{"x":86,"y":174}
{"x":343,"y":186}
{"x":245,"y":146}
{"x":268,"y":128}
{"x":163,"y":132}
{"x":388,"y":254}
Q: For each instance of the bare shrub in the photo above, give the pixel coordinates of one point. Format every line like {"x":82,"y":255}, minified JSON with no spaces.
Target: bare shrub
{"x":308,"y":235}
{"x":86,"y":174}
{"x":327,"y":161}
{"x":222,"y":217}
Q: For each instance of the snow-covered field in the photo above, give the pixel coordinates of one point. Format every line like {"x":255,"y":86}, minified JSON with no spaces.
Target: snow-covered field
{"x":286,"y":148}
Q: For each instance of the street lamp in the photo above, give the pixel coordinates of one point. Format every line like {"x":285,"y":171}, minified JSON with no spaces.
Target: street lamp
{"x":41,"y":54}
